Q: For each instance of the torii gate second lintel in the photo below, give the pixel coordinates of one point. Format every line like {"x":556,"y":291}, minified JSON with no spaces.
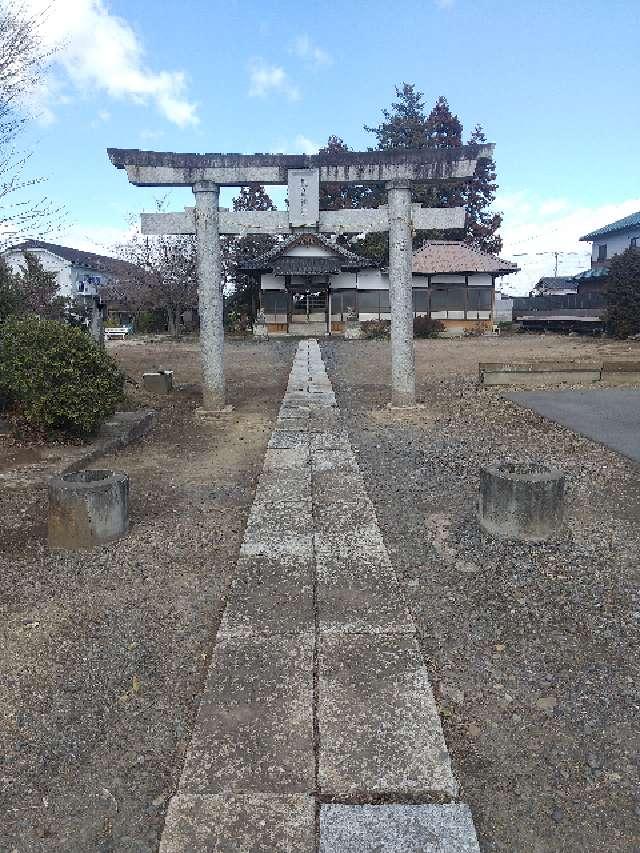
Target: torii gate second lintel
{"x":206,"y":173}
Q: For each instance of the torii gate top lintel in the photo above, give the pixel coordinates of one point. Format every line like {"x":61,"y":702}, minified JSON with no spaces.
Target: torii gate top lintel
{"x":420,"y":165}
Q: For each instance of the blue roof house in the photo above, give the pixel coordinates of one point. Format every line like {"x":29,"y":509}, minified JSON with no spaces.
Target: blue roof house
{"x":613,"y":239}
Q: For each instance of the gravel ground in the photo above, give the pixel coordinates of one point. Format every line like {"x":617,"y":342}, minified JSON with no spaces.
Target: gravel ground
{"x":103,"y":653}
{"x":532,"y":649}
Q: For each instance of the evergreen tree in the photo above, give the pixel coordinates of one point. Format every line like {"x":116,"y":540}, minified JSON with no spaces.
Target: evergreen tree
{"x":406,"y":125}
{"x":245,"y":297}
{"x":623,"y":294}
{"x":443,"y":130}
{"x":340,"y":196}
{"x":481,"y":222}
{"x":11,"y":300}
{"x":38,"y":289}
{"x":403,"y":125}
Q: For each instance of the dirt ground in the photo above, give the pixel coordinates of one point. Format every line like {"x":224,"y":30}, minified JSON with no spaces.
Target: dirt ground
{"x":532,"y":650}
{"x":103,"y":653}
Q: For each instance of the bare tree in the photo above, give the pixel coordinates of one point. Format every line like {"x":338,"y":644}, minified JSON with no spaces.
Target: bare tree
{"x":162,"y":276}
{"x":23,"y":59}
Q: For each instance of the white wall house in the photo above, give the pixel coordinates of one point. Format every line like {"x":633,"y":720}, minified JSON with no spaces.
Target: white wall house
{"x":613,"y":239}
{"x":77,"y":273}
{"x":310,"y":279}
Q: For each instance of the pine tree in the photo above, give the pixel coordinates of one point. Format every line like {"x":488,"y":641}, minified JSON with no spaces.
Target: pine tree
{"x":623,"y":294}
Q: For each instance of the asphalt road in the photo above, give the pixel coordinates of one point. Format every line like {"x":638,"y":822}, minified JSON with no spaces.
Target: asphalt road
{"x":610,"y":416}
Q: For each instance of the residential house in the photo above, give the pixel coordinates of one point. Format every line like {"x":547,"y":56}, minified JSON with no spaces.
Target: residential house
{"x":555,"y":285}
{"x":613,"y":239}
{"x":606,"y":242}
{"x":77,"y":272}
{"x":80,"y":274}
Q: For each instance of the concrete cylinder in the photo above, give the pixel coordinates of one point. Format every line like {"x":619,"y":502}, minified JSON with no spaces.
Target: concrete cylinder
{"x":211,"y":308}
{"x":403,"y":367}
{"x":521,"y":501}
{"x":88,"y":508}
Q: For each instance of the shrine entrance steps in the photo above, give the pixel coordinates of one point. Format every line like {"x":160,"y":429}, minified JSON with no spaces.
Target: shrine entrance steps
{"x":318,"y":729}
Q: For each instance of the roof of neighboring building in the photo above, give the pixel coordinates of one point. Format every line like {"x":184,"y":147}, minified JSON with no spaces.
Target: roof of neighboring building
{"x":347,"y":259}
{"x":556,"y":282}
{"x":76,"y":257}
{"x":595,"y":272}
{"x":631,"y":221}
{"x":453,"y":256}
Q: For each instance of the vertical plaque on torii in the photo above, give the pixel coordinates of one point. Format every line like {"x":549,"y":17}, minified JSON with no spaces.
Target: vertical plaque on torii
{"x":304,"y":198}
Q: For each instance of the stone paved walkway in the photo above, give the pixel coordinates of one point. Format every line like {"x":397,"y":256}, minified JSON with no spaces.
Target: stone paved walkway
{"x":317,"y":730}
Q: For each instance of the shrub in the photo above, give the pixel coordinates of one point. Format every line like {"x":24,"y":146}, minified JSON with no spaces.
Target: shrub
{"x":623,"y":294}
{"x":238,"y":323}
{"x":425,"y":327}
{"x":375,"y":329}
{"x":56,"y":377}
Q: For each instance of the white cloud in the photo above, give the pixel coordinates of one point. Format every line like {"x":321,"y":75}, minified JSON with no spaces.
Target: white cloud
{"x":444,"y":4}
{"x":149,"y":135}
{"x":533,"y":229}
{"x":265,"y":79}
{"x":300,"y":145}
{"x":309,"y":52}
{"x":102,"y":239}
{"x":102,"y":117}
{"x":97,"y":51}
{"x":553,"y":205}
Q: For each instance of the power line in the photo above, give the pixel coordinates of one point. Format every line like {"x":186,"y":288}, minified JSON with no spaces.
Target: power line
{"x":555,"y":253}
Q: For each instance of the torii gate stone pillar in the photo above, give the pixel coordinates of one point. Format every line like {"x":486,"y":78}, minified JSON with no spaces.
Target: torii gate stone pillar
{"x":210,"y":296}
{"x":403,"y":367}
{"x":396,"y":169}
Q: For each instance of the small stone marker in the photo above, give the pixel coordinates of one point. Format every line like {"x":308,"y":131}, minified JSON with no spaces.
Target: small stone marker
{"x":158,"y":382}
{"x":88,"y":508}
{"x":521,"y":501}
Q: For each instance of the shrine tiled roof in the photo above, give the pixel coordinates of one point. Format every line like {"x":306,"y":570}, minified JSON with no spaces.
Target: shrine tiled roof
{"x":453,"y":256}
{"x":345,"y":258}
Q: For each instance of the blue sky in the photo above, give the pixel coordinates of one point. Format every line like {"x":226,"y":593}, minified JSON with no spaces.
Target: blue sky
{"x":553,"y":84}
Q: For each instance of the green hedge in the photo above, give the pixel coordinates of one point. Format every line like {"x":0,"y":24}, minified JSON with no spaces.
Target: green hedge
{"x":56,"y":377}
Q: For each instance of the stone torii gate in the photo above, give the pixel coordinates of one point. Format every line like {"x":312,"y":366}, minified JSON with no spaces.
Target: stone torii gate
{"x":397,"y":169}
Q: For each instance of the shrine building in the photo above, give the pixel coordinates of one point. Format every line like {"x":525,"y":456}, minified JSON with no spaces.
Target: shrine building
{"x":309,"y":284}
